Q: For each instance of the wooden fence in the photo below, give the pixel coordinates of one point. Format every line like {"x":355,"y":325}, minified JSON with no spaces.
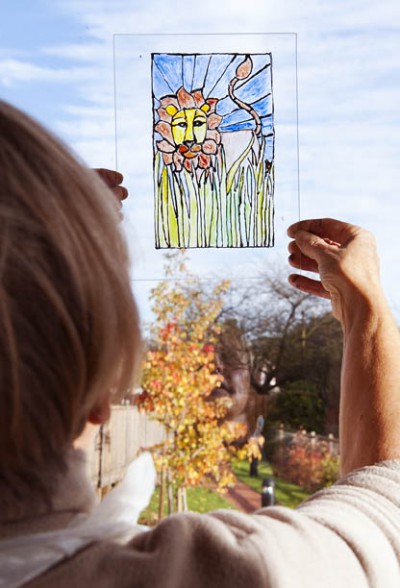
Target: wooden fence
{"x":118,"y":442}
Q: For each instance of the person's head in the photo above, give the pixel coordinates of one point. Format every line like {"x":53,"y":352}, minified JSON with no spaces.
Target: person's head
{"x":69,"y":335}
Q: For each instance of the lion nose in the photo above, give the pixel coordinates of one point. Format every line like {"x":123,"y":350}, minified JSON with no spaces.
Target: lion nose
{"x":189,"y":144}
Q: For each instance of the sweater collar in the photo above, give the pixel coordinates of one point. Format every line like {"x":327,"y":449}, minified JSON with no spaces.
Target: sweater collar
{"x":28,"y":555}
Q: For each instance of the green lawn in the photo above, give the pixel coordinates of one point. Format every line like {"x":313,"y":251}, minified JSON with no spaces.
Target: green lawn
{"x":199,"y":500}
{"x":286,"y":494}
{"x":205,"y":500}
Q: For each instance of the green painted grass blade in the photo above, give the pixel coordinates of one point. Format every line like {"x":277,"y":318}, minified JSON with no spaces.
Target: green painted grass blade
{"x":157,"y":202}
{"x":182,"y":211}
{"x":206,"y":200}
{"x":248,"y":207}
{"x":193,"y":208}
{"x":164,"y":208}
{"x":213,"y":229}
{"x":207,"y":197}
{"x":240,"y":198}
{"x":223,"y":204}
{"x":169,"y":211}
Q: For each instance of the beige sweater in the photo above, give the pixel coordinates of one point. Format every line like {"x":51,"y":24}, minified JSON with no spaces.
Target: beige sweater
{"x":345,"y":536}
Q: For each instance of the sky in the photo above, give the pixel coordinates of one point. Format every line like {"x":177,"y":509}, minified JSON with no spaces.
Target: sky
{"x":56,"y":62}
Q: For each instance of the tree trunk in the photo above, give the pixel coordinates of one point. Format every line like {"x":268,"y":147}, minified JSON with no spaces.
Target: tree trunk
{"x":162,"y":495}
{"x":181,"y":500}
{"x":170,"y":492}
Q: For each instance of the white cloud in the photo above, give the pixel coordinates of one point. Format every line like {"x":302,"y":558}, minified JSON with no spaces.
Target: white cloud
{"x":315,"y":17}
{"x":85,"y":52}
{"x":13,"y":71}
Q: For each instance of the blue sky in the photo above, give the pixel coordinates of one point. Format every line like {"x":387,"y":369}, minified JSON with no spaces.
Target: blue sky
{"x":31,"y":78}
{"x":56,"y":62}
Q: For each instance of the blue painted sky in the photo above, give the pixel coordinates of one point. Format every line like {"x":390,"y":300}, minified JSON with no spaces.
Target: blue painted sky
{"x":56,"y":62}
{"x":212,"y":73}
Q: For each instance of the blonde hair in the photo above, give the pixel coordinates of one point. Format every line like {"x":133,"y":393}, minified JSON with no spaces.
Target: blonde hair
{"x":68,"y":321}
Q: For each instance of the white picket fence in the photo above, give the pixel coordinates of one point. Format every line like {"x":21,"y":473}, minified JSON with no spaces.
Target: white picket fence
{"x":312,"y":439}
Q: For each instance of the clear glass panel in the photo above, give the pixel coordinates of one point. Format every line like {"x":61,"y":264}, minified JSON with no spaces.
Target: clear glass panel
{"x":206,"y":136}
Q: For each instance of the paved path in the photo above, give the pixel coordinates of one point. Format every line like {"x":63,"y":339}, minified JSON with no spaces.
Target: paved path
{"x":243,"y":497}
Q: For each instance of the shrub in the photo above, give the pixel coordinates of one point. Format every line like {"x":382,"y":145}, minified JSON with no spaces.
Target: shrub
{"x":306,"y":459}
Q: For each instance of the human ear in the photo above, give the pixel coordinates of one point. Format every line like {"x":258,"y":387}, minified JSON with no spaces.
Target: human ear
{"x":100,"y":413}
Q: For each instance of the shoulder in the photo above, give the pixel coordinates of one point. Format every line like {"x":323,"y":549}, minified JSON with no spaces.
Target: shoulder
{"x":210,"y":549}
{"x":347,"y":535}
{"x":185,"y":550}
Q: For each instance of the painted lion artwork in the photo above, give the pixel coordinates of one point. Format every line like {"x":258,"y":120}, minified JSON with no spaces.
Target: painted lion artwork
{"x":213,"y":150}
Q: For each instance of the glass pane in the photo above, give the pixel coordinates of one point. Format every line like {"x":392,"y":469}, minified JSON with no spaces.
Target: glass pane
{"x":206,"y":136}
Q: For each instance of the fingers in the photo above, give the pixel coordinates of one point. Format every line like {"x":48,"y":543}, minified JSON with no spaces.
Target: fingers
{"x":120,"y":192}
{"x":314,"y":241}
{"x":309,"y":286}
{"x":113,"y":180}
{"x":300,"y":261}
{"x":111,"y":177}
{"x":314,"y":247}
{"x":326,"y":228}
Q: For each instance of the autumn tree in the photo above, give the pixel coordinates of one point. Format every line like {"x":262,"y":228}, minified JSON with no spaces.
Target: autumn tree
{"x":179,"y":377}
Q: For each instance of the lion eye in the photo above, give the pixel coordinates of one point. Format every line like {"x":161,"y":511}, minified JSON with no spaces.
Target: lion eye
{"x":183,"y":125}
{"x":198,"y":123}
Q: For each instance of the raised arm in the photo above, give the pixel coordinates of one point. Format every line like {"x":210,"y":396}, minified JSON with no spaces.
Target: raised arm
{"x":345,"y":258}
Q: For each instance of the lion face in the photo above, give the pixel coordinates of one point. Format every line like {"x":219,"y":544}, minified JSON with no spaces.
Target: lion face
{"x":189,"y":129}
{"x":188,"y":125}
